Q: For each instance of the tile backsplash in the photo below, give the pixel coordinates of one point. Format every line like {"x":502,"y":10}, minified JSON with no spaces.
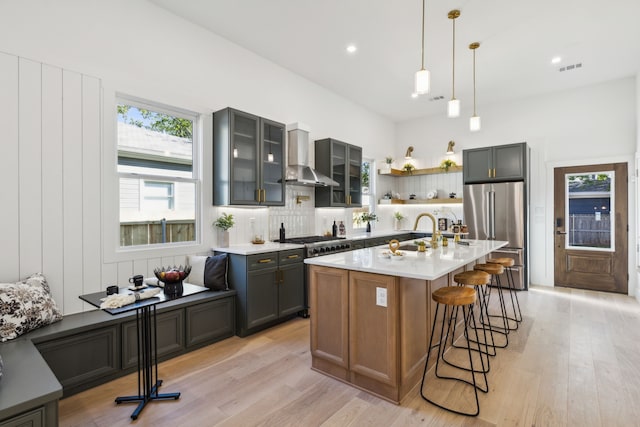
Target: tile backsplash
{"x":301,"y":218}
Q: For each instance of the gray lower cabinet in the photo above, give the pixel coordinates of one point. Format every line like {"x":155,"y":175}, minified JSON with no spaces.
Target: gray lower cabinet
{"x":33,"y":418}
{"x":85,"y":358}
{"x":270,"y":288}
{"x":210,"y":321}
{"x":170,"y":337}
{"x":91,"y":354}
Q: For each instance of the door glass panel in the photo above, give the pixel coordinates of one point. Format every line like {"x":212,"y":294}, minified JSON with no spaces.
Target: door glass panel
{"x":589,"y":224}
{"x":272,"y":161}
{"x":339,"y":161}
{"x":245,"y":147}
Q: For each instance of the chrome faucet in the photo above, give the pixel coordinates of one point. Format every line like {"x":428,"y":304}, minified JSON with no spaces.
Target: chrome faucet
{"x":434,"y":237}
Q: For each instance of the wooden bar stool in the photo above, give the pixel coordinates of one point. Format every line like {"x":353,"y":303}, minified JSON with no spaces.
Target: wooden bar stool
{"x":479,"y":280}
{"x":508,"y":263}
{"x":453,"y":297}
{"x":495,"y":270}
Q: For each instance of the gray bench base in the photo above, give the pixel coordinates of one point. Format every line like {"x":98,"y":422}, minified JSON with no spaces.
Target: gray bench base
{"x":87,"y":349}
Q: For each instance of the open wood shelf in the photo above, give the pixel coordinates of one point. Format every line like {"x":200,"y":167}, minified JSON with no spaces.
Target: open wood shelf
{"x":419,"y":201}
{"x":427,"y":171}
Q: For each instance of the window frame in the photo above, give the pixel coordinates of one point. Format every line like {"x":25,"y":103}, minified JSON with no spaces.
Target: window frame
{"x":112,"y":251}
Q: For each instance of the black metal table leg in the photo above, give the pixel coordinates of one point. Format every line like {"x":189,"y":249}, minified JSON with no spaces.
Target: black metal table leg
{"x":148,"y":382}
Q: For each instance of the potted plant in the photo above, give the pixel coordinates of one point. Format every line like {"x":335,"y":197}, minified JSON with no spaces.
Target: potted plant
{"x":224,"y":223}
{"x":446,"y":164}
{"x":399,"y":217}
{"x":387,"y":164}
{"x":368,"y":217}
{"x":408,"y":167}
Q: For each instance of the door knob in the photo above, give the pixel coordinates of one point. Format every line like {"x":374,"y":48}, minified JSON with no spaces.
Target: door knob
{"x":561,"y":232}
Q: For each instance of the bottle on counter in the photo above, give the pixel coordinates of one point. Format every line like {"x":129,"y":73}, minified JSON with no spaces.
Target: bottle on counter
{"x":341,"y":229}
{"x":334,"y":229}
{"x":282,"y":235}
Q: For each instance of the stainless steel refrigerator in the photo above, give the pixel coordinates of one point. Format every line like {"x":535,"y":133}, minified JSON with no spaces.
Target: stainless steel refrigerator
{"x":498,"y":211}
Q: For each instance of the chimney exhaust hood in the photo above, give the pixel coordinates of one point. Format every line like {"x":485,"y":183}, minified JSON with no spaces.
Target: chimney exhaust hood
{"x":298,"y":170}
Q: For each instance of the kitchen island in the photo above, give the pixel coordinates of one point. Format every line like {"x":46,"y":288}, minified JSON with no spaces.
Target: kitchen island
{"x":371,"y":315}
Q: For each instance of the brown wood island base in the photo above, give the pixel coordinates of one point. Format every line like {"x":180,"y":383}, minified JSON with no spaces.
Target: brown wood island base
{"x":357,"y":340}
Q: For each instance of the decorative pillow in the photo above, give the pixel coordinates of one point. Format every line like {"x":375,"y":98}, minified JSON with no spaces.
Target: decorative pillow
{"x":25,"y":306}
{"x":197,"y":262}
{"x":215,"y":273}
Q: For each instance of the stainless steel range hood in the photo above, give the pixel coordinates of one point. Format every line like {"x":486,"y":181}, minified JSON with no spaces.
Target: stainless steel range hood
{"x":298,"y":170}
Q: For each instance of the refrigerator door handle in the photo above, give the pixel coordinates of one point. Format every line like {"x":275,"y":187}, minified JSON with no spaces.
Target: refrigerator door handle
{"x":491,"y":215}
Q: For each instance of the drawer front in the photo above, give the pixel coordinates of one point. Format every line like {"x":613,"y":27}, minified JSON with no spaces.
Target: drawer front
{"x":170,"y":337}
{"x":291,"y":256}
{"x":80,"y":358}
{"x":260,"y":261}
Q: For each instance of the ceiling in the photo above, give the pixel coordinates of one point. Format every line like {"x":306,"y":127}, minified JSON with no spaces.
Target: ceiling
{"x":518,"y":40}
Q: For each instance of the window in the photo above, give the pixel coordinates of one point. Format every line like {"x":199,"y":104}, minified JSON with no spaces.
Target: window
{"x":157,"y":179}
{"x":589,"y":198}
{"x":368,"y":195}
{"x":158,"y":195}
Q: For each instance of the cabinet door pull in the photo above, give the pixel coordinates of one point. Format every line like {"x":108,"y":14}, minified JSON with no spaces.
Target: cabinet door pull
{"x":489,"y":173}
{"x":293,"y":256}
{"x":264,"y":195}
{"x":494,"y":172}
{"x":264,"y":261}
{"x":258,"y":195}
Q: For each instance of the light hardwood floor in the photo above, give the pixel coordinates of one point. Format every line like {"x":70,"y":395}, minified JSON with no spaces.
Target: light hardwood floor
{"x":575,"y":361}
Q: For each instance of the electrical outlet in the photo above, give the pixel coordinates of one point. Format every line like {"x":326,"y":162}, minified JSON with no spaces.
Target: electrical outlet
{"x":381,"y":297}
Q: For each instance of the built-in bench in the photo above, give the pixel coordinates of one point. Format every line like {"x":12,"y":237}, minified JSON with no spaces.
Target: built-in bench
{"x":86,"y":349}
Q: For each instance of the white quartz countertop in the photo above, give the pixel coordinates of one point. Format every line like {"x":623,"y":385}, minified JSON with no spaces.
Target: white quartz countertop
{"x":427,"y":266}
{"x":251,"y":249}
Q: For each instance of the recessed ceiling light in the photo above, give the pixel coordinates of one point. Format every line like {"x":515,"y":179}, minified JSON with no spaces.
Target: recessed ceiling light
{"x":556,"y":60}
{"x":414,"y":95}
{"x":352,"y":48}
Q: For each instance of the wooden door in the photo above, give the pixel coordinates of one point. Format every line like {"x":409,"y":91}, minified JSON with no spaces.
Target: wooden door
{"x":591,"y":227}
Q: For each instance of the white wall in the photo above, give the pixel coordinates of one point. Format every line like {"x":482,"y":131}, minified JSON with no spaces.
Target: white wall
{"x":588,"y":125}
{"x":56,"y":214}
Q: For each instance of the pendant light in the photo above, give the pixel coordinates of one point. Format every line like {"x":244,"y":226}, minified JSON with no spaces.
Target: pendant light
{"x":423,"y":76}
{"x":453,"y":107}
{"x":474,"y":121}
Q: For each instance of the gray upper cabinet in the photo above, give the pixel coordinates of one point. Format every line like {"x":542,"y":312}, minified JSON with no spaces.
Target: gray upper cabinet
{"x":341,"y":162}
{"x":495,"y":164}
{"x":248,"y":159}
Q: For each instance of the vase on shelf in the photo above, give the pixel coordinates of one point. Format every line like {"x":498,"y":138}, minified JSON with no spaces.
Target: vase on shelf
{"x":368,"y":227}
{"x":397,"y":224}
{"x":223,"y":238}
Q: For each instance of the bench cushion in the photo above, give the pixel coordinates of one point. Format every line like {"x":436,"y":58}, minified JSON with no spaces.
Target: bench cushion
{"x":25,"y":306}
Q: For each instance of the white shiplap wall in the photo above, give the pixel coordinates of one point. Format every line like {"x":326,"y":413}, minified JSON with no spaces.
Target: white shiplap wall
{"x":51,"y":178}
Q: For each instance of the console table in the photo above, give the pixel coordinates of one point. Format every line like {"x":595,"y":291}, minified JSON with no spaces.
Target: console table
{"x":146,"y":328}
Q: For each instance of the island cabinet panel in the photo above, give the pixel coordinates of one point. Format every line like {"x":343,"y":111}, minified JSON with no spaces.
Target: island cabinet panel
{"x":373,"y":335}
{"x":415,"y":317}
{"x":329,"y":302}
{"x":359,"y":340}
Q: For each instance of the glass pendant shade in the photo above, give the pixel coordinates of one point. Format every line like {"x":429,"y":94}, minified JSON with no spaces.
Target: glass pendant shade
{"x":423,"y":82}
{"x":474,"y":123}
{"x":453,"y":108}
{"x":270,"y":157}
{"x":235,"y":153}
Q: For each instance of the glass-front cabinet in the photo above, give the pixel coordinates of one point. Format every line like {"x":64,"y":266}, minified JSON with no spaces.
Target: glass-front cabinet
{"x":248,"y":159}
{"x":342,"y":162}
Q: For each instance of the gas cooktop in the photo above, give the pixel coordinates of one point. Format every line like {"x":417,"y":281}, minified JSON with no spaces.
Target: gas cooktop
{"x":310,"y":239}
